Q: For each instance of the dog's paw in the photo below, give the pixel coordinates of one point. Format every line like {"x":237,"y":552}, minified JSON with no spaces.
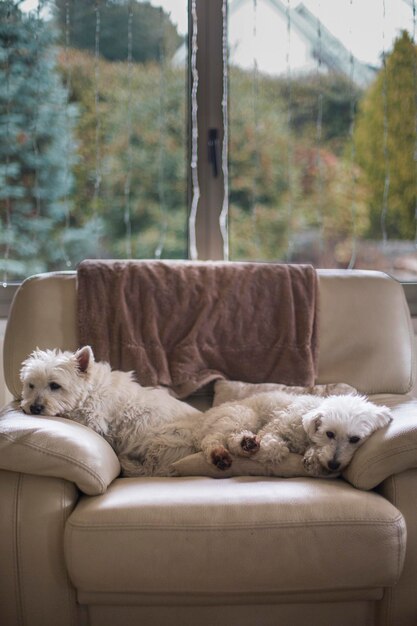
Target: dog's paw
{"x":312,"y":465}
{"x":250,"y":444}
{"x":221,"y":458}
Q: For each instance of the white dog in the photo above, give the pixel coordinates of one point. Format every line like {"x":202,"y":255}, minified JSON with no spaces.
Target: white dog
{"x":148,"y":429}
{"x":268,"y":426}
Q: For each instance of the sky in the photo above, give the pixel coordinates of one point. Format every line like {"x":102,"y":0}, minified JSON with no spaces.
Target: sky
{"x":365,"y":27}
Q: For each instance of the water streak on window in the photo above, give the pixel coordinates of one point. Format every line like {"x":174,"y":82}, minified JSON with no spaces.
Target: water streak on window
{"x":225,"y":151}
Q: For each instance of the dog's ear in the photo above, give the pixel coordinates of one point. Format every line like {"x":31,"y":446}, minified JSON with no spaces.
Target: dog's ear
{"x":312,"y":422}
{"x":383,"y":416}
{"x":84,"y":357}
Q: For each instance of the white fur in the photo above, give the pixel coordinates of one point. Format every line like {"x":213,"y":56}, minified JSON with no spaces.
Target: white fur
{"x":148,"y":428}
{"x":268,"y":426}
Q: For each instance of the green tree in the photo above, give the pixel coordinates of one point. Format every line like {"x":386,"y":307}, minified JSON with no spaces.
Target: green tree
{"x":386,"y":143}
{"x":139,"y":145}
{"x":152,"y":158}
{"x":153,"y":34}
{"x":258,"y":176}
{"x":286,"y":185}
{"x":338,"y":96}
{"x":36,"y":147}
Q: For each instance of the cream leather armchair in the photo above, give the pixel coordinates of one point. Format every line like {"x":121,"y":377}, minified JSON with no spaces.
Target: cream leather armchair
{"x":80,"y":546}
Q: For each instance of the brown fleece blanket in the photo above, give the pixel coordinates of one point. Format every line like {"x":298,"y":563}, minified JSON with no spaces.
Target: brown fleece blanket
{"x":183,"y":324}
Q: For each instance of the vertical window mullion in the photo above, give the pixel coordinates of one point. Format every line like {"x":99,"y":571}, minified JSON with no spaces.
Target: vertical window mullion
{"x":210,"y":124}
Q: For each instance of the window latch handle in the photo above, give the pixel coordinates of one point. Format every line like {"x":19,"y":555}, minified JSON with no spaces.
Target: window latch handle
{"x":213,"y":147}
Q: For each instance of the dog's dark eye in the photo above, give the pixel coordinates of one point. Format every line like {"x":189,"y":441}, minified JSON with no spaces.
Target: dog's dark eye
{"x":354,"y":439}
{"x":54,"y":386}
{"x":330,"y":434}
{"x":31,"y":386}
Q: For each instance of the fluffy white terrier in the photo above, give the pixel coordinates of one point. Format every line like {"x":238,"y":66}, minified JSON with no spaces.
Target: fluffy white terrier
{"x":268,"y":426}
{"x":148,"y":429}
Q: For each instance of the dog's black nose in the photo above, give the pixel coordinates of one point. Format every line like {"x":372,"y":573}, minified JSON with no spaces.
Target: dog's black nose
{"x":36,"y":409}
{"x":333,"y":465}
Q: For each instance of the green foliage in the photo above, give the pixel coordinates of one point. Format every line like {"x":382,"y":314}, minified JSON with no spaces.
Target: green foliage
{"x":258,"y":144}
{"x":281,"y":181}
{"x":137,"y":145}
{"x":152,"y":160}
{"x":297,"y":191}
{"x":338,"y":98}
{"x":285,"y":180}
{"x":154,"y":37}
{"x":386,"y":142}
{"x":36,"y":146}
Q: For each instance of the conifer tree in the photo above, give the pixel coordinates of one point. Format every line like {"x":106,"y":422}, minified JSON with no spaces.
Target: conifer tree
{"x":386,"y":143}
{"x":154,"y":33}
{"x":36,"y":146}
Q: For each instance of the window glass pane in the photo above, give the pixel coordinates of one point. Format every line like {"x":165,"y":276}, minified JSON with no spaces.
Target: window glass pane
{"x":323,"y":133}
{"x":93,"y":126}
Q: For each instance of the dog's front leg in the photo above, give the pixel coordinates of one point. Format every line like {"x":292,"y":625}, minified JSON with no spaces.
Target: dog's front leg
{"x":215,"y":450}
{"x":312,"y":464}
{"x":272,"y":448}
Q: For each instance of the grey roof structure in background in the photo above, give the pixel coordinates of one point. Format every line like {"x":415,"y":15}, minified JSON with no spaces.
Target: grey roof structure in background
{"x":322,"y":45}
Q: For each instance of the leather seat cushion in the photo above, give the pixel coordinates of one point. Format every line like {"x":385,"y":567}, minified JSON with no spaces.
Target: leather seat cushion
{"x":236,"y":535}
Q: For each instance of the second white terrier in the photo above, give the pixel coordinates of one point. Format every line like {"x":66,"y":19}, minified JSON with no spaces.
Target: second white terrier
{"x":268,"y":426}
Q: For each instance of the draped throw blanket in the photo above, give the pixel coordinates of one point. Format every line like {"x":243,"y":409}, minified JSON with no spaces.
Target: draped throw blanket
{"x":183,"y":324}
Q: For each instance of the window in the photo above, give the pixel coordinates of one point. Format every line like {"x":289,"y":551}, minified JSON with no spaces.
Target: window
{"x":93,"y":156}
{"x":322,"y":156}
{"x":162,"y":130}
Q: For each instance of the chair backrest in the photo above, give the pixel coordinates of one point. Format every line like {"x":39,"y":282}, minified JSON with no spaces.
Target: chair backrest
{"x":365,"y":333}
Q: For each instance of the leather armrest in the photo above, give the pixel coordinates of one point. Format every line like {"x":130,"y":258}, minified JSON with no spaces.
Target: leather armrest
{"x":54,"y":446}
{"x":388,"y":451}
